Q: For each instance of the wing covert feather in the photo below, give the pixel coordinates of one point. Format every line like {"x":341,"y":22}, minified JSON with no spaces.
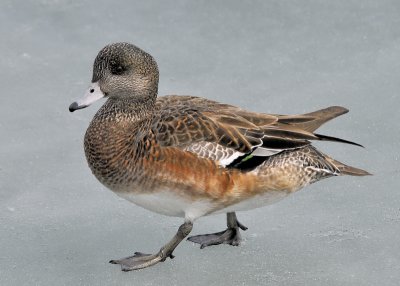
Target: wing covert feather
{"x":185,"y":121}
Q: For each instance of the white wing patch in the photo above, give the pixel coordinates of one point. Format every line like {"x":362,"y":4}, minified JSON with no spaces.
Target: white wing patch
{"x":224,"y":155}
{"x":265,"y":152}
{"x":226,"y":161}
{"x":216,"y":152}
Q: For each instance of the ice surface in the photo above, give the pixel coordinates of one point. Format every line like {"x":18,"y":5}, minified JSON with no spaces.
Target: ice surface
{"x":59,"y":226}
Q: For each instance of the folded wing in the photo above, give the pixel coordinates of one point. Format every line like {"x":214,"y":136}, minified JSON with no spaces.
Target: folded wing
{"x":229,"y":135}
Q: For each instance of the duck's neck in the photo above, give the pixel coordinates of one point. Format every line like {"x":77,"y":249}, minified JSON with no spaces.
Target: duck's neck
{"x":132,"y":109}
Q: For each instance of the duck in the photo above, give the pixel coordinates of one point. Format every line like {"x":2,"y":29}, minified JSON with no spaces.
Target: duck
{"x":190,"y":157}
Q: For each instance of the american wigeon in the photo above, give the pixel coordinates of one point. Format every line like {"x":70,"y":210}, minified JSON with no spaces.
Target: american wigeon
{"x":190,"y":157}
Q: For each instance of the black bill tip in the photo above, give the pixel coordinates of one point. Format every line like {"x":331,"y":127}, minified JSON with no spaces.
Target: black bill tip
{"x":75,"y":106}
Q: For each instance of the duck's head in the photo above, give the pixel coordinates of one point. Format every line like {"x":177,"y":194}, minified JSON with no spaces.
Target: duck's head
{"x":121,"y":71}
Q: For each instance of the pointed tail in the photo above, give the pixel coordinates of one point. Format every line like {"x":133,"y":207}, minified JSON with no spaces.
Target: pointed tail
{"x":348,"y":170}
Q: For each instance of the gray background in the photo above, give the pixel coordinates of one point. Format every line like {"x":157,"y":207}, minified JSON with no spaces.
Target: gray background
{"x":59,"y":226}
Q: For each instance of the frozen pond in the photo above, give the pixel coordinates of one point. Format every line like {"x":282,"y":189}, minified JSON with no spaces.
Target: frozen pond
{"x":59,"y":226}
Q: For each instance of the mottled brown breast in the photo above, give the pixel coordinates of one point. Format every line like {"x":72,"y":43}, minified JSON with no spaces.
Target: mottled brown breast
{"x":124,"y":162}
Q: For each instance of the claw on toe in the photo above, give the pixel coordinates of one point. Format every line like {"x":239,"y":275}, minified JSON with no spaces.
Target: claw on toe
{"x":242,"y":227}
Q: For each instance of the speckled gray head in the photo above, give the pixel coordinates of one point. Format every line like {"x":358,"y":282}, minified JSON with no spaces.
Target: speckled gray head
{"x":120,"y":70}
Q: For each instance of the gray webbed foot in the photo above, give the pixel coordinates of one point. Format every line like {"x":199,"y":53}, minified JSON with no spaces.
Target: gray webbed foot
{"x":229,"y":236}
{"x":141,"y":260}
{"x":138,"y":261}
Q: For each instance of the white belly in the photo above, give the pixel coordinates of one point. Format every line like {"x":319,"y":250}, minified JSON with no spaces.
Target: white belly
{"x":170,"y":204}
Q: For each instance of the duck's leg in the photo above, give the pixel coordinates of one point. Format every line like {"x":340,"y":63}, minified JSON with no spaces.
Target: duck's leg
{"x":140,"y":260}
{"x":229,"y":236}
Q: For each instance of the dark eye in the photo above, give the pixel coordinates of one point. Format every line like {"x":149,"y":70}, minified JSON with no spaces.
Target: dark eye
{"x":117,"y":70}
